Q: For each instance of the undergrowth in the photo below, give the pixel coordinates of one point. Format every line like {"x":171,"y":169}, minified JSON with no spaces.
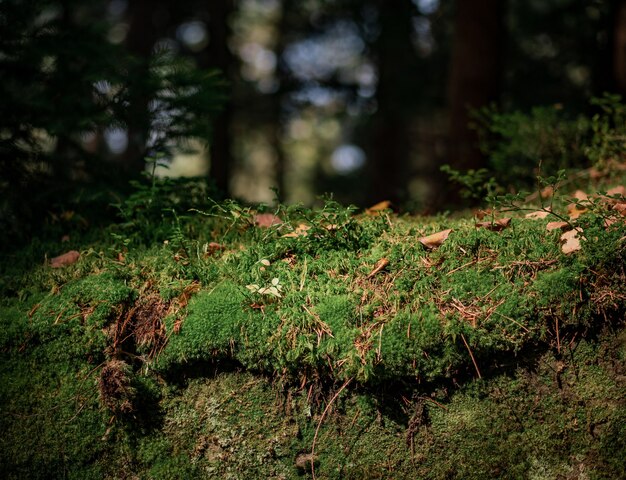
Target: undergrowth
{"x":217,"y":347}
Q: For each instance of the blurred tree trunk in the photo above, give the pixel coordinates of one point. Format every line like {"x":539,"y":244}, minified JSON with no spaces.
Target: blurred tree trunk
{"x":219,"y":56}
{"x":474,"y":77}
{"x":142,"y":35}
{"x":277,"y":100}
{"x":619,"y":46}
{"x":277,"y":144}
{"x":390,"y":147}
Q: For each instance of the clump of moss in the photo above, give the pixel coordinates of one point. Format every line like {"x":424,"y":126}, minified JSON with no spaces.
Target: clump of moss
{"x":444,"y":349}
{"x":212,"y":327}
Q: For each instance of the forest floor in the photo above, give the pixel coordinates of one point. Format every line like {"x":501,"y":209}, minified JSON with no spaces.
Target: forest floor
{"x":233,"y":342}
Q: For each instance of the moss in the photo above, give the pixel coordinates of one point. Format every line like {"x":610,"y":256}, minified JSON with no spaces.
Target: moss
{"x":511,"y":427}
{"x":51,"y":422}
{"x":231,"y":382}
{"x":212,"y":327}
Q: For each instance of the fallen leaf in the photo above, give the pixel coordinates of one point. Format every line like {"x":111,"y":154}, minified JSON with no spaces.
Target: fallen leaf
{"x":496,"y":225}
{"x":212,"y":248}
{"x":571,"y":241}
{"x":580,"y":195}
{"x":594,"y":173}
{"x":300,"y":231}
{"x":435,"y":240}
{"x":379,"y":207}
{"x":380,"y":264}
{"x":621,"y":208}
{"x":547,"y":192}
{"x":266,"y":220}
{"x":619,"y":190}
{"x":574,"y":211}
{"x":66,"y":259}
{"x":538,"y":215}
{"x":556,"y":226}
{"x":480,"y":214}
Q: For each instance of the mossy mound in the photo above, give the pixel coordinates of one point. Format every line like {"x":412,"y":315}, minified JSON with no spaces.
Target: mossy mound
{"x":219,"y":353}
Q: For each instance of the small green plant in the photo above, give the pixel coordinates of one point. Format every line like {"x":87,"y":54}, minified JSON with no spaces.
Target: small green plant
{"x":475,"y":184}
{"x":152,"y":212}
{"x":519,"y":202}
{"x":517,"y":142}
{"x":274,"y":289}
{"x":608,"y":142}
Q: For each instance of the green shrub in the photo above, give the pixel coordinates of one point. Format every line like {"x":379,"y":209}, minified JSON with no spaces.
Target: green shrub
{"x":522,"y":145}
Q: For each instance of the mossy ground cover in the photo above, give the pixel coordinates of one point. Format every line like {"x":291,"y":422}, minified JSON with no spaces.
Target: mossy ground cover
{"x":233,"y":343}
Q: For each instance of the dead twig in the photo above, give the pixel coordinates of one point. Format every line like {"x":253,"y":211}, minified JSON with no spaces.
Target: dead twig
{"x":514,"y":321}
{"x":471,"y":355}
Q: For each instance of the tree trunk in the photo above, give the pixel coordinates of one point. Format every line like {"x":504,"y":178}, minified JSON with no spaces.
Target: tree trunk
{"x":277,"y":98}
{"x":142,"y":35}
{"x":390,"y":148}
{"x":619,"y":47}
{"x":474,"y":77}
{"x":219,"y":56}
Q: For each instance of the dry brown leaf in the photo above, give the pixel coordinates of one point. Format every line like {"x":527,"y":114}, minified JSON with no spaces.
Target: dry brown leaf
{"x":379,"y":207}
{"x":380,"y":265}
{"x":266,"y":220}
{"x":621,"y":208}
{"x":538,"y":215}
{"x":556,"y":226}
{"x":571,"y":241}
{"x":547,"y":192}
{"x":574,"y":211}
{"x":300,"y":231}
{"x":496,"y":225}
{"x":480,"y":214}
{"x":619,"y":190}
{"x":436,"y":239}
{"x":66,"y":259}
{"x":213,"y":247}
{"x":611,"y":221}
{"x":580,"y":195}
{"x":594,"y":173}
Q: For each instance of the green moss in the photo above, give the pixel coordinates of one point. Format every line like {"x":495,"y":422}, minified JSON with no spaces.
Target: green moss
{"x":50,"y":418}
{"x":212,"y":327}
{"x":411,"y":338}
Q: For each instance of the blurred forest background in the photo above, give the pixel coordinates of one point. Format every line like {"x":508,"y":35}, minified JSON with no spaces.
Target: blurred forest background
{"x":284,"y":100}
